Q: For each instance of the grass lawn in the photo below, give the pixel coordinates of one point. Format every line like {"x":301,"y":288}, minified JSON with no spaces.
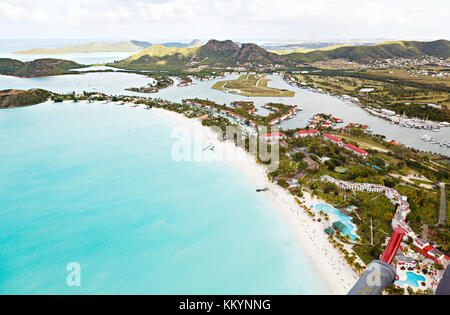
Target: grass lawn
{"x":419,"y":181}
{"x":364,"y":143}
{"x":251,"y":85}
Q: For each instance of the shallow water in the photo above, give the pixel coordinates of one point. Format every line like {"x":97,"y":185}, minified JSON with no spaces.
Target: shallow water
{"x":95,"y":184}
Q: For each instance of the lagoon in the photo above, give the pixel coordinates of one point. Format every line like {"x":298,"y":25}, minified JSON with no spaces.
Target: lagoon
{"x":115,"y":83}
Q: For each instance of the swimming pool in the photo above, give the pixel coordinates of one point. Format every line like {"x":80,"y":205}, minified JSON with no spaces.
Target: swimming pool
{"x":335,"y":215}
{"x":412,"y":280}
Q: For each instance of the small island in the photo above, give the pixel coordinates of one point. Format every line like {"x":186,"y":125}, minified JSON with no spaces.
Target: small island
{"x":251,"y":85}
{"x":21,"y":98}
{"x":159,"y":83}
{"x":37,"y":68}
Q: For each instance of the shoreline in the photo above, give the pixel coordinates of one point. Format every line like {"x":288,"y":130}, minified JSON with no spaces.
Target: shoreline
{"x":329,"y":264}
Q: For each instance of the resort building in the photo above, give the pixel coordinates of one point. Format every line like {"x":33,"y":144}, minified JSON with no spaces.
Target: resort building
{"x":274,"y":121}
{"x":273,"y":137}
{"x":437,"y":277}
{"x":399,"y":218}
{"x":358,"y":151}
{"x":342,"y":184}
{"x":312,"y":165}
{"x":430,"y":251}
{"x":338,"y":226}
{"x":405,"y":261}
{"x":329,"y":230}
{"x":333,"y":139}
{"x":306,"y":133}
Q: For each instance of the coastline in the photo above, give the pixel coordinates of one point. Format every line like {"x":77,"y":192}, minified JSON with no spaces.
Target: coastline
{"x":338,"y":276}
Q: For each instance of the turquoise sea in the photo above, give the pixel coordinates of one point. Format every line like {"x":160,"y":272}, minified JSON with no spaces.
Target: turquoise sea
{"x":95,"y":184}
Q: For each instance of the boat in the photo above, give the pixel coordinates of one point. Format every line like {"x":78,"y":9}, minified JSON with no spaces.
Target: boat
{"x":426,"y":138}
{"x":262,"y":189}
{"x":209,"y":147}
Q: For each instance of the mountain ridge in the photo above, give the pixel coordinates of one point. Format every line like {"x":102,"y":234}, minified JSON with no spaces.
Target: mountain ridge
{"x":213,"y":54}
{"x":405,"y":49}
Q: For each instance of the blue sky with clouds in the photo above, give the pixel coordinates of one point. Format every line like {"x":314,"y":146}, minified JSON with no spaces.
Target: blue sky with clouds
{"x":225,"y":19}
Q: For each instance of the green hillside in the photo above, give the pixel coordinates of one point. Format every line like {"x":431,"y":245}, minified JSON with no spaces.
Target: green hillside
{"x":162,"y":51}
{"x":304,"y":50}
{"x":404,"y":49}
{"x":36,"y":68}
{"x":214,"y":54}
{"x":20,"y":98}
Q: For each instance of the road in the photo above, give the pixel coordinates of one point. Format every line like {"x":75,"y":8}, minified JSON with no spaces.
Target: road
{"x":425,"y":232}
{"x":443,"y":205}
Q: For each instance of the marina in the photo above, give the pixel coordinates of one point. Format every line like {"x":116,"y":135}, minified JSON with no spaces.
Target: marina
{"x":430,"y":139}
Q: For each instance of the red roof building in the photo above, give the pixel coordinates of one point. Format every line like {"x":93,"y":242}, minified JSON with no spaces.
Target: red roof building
{"x":358,"y":151}
{"x":273,"y":136}
{"x":333,"y":139}
{"x":306,"y":133}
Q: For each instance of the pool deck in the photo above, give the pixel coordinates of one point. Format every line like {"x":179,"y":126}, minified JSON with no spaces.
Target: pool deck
{"x":354,"y":227}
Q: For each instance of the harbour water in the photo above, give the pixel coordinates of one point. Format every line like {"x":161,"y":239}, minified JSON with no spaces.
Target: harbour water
{"x":115,"y":83}
{"x":95,"y":184}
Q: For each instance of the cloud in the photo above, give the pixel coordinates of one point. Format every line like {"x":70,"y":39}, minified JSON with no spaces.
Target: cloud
{"x":11,"y":12}
{"x":231,"y":18}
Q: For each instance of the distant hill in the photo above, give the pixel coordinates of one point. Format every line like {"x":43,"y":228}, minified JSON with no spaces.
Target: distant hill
{"x":20,"y":98}
{"x":141,"y":44}
{"x":36,"y":68}
{"x":309,"y":45}
{"x":401,"y":49}
{"x":304,"y":50}
{"x":216,"y":54}
{"x":125,"y":46}
{"x":194,"y":43}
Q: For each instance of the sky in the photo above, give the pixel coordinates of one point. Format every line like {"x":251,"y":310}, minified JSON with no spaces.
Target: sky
{"x":225,"y":19}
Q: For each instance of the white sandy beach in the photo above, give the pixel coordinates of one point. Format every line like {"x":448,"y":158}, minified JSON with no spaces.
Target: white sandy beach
{"x":328,"y":261}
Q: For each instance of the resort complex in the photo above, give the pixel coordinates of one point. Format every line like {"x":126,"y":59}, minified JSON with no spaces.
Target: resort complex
{"x":244,"y":112}
{"x":399,"y":220}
